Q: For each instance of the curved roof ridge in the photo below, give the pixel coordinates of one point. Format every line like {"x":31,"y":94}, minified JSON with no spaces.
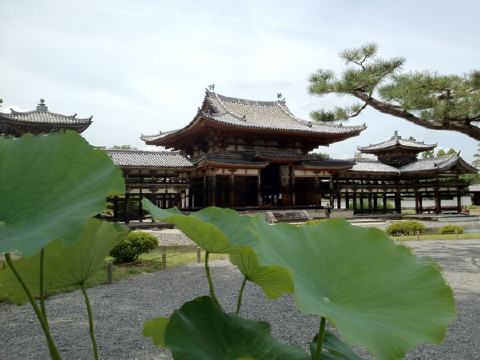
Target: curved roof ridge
{"x":14,"y":113}
{"x":161,"y":152}
{"x":222,"y":98}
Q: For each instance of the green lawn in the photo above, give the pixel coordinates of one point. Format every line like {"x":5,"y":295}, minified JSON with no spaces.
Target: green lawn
{"x":147,"y":263}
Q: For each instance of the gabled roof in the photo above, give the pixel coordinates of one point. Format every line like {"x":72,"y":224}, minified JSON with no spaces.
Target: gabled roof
{"x":428,"y":165}
{"x":41,"y":117}
{"x":396,"y":142}
{"x":42,"y":120}
{"x":373,"y":166}
{"x":156,"y":159}
{"x":442,"y":163}
{"x":260,"y":116}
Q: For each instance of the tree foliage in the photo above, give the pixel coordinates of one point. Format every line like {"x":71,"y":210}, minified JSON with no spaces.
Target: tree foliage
{"x":428,"y":99}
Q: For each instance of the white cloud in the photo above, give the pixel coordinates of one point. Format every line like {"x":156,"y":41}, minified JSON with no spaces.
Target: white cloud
{"x":139,"y":67}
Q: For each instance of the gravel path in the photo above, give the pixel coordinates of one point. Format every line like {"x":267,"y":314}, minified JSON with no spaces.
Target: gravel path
{"x":120,"y":310}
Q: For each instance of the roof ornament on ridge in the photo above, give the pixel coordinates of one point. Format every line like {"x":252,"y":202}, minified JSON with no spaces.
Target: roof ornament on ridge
{"x":41,"y":106}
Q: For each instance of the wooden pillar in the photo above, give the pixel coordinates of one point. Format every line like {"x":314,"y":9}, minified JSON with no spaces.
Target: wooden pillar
{"x":438,"y":202}
{"x":318,"y":197}
{"x":339,"y":200}
{"x":459,"y":201}
{"x":375,"y":202}
{"x":140,"y":206}
{"x":347,"y":200}
{"x":370,"y":201}
{"x":361,"y":201}
{"x":204,"y":190}
{"x":417,"y":203}
{"x":214,"y":189}
{"x":398,"y":202}
{"x":231,"y":202}
{"x":259,"y":188}
{"x":292,"y":183}
{"x":384,"y":202}
{"x":115,"y":208}
{"x":127,"y":210}
{"x":354,"y":199}
{"x":420,"y":202}
{"x":331,"y":191}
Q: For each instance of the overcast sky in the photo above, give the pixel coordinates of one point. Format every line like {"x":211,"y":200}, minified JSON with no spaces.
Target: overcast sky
{"x":142,"y":66}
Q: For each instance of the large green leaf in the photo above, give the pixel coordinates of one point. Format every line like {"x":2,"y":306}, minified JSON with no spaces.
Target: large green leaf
{"x":377,"y":293}
{"x":64,"y":267}
{"x":224,"y":231}
{"x":49,"y":186}
{"x":334,"y":348}
{"x":201,"y":330}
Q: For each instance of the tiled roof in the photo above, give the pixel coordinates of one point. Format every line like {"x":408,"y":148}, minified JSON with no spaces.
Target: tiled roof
{"x":442,"y":163}
{"x":436,"y":163}
{"x":396,"y":142}
{"x":373,"y":166}
{"x":43,"y":117}
{"x":265,"y":115}
{"x":329,"y":163}
{"x":138,"y":158}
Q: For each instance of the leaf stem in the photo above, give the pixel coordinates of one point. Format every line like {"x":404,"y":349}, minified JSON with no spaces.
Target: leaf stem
{"x":209,"y":278}
{"x":240,"y":295}
{"x":42,"y":293}
{"x":320,"y":337}
{"x":54,"y":354}
{"x":90,"y":321}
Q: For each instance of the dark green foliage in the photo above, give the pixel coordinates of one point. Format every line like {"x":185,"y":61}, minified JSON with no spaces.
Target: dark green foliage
{"x":405,"y":228}
{"x":429,"y":99}
{"x":135,"y":244}
{"x":451,"y":229}
{"x":200,"y":329}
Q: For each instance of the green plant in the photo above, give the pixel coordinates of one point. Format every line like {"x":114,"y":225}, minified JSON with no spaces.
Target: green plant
{"x":335,"y":270}
{"x":136,"y":243}
{"x":50,"y":188}
{"x":314,"y":222}
{"x":450,"y":229}
{"x":405,"y":228}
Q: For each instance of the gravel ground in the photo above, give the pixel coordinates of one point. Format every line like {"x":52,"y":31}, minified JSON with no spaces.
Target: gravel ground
{"x":121,"y":308}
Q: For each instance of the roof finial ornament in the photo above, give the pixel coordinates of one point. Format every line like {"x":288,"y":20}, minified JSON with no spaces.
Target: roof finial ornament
{"x":211,"y":87}
{"x":41,"y":106}
{"x":395,"y":135}
{"x":280,"y":97}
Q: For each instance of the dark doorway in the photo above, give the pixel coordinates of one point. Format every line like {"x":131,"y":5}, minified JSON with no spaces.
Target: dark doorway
{"x":270,"y":184}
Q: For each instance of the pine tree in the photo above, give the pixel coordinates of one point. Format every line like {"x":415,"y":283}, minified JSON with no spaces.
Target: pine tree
{"x":428,"y":99}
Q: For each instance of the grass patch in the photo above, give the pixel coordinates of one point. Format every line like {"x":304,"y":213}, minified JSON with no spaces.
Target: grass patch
{"x":147,"y":263}
{"x":438,"y":237}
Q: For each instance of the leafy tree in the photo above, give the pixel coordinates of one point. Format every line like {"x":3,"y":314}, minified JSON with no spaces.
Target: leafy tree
{"x":428,"y":99}
{"x":476,"y":157}
{"x":452,"y":151}
{"x":441,"y":152}
{"x":428,"y":154}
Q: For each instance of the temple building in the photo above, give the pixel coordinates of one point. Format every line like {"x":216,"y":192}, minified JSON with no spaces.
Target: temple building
{"x":398,"y":173}
{"x":249,"y":153}
{"x":257,"y":155}
{"x":39,"y":121}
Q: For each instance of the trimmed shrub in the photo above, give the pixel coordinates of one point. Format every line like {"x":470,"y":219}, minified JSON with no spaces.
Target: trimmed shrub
{"x":136,"y":243}
{"x":405,"y":228}
{"x":450,"y":229}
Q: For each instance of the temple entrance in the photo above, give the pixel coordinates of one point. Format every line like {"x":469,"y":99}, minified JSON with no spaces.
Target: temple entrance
{"x":270,"y":188}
